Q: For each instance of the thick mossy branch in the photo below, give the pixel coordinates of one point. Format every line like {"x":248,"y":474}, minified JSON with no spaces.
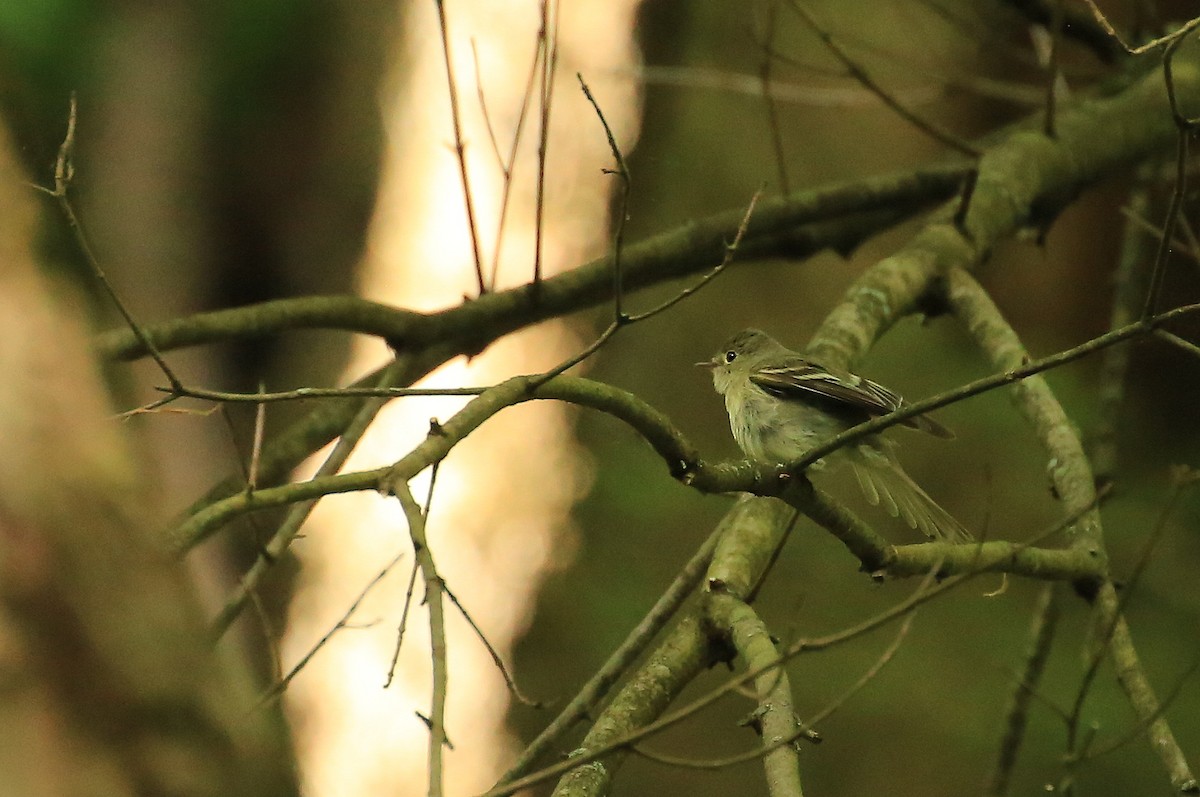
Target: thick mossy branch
{"x":1024,"y":180}
{"x":347,"y":313}
{"x":690,"y":249}
{"x":735,"y":620}
{"x":1069,"y":469}
{"x":690,"y":647}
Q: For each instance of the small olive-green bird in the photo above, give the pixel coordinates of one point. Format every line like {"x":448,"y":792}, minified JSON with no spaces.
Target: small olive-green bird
{"x":781,"y":404}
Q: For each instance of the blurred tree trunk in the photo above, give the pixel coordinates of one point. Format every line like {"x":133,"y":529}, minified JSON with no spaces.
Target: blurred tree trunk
{"x":111,"y":687}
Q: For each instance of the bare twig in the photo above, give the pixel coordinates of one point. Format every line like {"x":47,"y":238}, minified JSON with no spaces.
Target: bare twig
{"x":1053,"y":76}
{"x":403,"y":624}
{"x":1178,"y":342}
{"x":1102,"y":443}
{"x":64,"y":173}
{"x":282,"y":539}
{"x":801,"y":733}
{"x":343,"y":622}
{"x":508,"y":166}
{"x":260,"y":418}
{"x":460,"y":146}
{"x":1041,"y":636}
{"x":589,"y":695}
{"x":622,"y":319}
{"x":622,"y":174}
{"x":856,"y":71}
{"x":548,"y":38}
{"x":437,"y":634}
{"x":884,"y":659}
{"x":412,"y":577}
{"x":730,"y":250}
{"x":1184,"y":127}
{"x":487,"y":118}
{"x":1144,"y":724}
{"x":1104,"y":638}
{"x":1136,"y":329}
{"x":1173,"y":36}
{"x":509,"y":680}
{"x":769,"y":104}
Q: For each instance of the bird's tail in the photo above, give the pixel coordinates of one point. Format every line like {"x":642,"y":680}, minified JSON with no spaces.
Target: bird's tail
{"x":884,"y":483}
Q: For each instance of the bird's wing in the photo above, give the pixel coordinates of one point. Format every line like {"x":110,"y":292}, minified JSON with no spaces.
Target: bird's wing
{"x":803,"y":379}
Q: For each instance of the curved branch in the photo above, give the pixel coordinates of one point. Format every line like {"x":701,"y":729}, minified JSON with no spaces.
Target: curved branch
{"x":684,"y":463}
{"x":1075,"y":486}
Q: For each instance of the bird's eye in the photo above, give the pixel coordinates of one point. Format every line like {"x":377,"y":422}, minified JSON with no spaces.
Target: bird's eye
{"x":730,"y":356}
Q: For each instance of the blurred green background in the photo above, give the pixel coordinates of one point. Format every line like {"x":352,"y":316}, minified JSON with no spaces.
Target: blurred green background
{"x":240,"y":164}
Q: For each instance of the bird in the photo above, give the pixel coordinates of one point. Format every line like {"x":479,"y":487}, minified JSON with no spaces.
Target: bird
{"x":781,"y":404}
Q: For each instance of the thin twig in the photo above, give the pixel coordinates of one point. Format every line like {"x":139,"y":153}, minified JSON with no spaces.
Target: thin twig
{"x":483,"y":109}
{"x":856,"y":71}
{"x":988,"y":383}
{"x":622,"y":174}
{"x":64,"y":173}
{"x":1143,"y":724}
{"x":765,"y":70}
{"x":1178,"y":342}
{"x":412,"y":576}
{"x":1187,"y":243}
{"x":403,"y":625}
{"x":1184,"y":128}
{"x":260,"y":419}
{"x":1104,"y":638}
{"x":509,"y":166}
{"x":800,"y":734}
{"x":1041,"y":635}
{"x":730,"y":251}
{"x":437,"y":634}
{"x":1114,"y":367}
{"x":589,"y":695}
{"x":270,"y":636}
{"x":1173,"y":36}
{"x":509,"y":680}
{"x":283,"y":537}
{"x":343,"y":622}
{"x":888,"y":654}
{"x":622,"y":319}
{"x":460,"y":147}
{"x":548,"y":37}
{"x":1057,"y":15}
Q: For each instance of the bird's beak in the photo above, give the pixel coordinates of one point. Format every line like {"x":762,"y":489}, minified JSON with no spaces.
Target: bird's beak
{"x":707,"y":364}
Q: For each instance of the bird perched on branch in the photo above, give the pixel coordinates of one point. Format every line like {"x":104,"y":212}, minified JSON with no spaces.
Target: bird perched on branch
{"x":782,"y":404}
